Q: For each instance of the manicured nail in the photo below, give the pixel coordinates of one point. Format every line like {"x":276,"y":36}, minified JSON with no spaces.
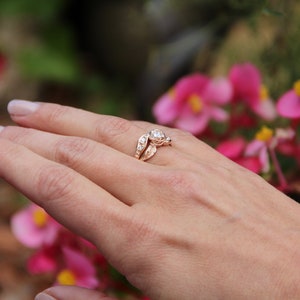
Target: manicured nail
{"x":1,"y":128}
{"x":43,"y":296}
{"x":22,"y":107}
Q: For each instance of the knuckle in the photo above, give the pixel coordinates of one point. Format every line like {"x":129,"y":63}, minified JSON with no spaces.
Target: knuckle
{"x":56,"y":113}
{"x":181,"y":135}
{"x":180,"y":181}
{"x":68,"y":151}
{"x":16,"y":134}
{"x":139,"y":230}
{"x":107,"y":132}
{"x":9,"y":151}
{"x":54,"y":182}
{"x":139,"y":235}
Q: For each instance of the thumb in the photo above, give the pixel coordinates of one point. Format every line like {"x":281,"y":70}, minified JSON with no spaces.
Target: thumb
{"x":71,"y":293}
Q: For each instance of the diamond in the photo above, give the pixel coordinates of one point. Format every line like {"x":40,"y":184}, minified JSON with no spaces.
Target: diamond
{"x":157,"y":134}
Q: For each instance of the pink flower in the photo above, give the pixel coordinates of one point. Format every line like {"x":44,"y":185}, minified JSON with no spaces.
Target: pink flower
{"x":288,"y":104}
{"x":78,"y":271}
{"x":266,"y":141}
{"x":33,"y":227}
{"x":193,"y":102}
{"x":259,"y":148}
{"x":43,"y":261}
{"x":247,"y":87}
{"x":234,"y":149}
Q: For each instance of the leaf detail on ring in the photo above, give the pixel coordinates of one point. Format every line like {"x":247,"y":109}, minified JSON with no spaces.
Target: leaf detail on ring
{"x":149,"y":152}
{"x":141,"y":145}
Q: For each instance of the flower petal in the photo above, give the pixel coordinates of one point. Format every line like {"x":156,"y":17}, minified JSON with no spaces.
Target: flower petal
{"x":82,"y":267}
{"x":25,"y":230}
{"x":254,"y":147}
{"x":218,"y":114}
{"x":77,"y":262}
{"x":165,"y":109}
{"x":232,"y":148}
{"x":41,"y":262}
{"x":188,"y":85}
{"x":246,"y":81}
{"x":289,"y":105}
{"x":265,"y":108}
{"x":218,"y":91}
{"x":90,"y":282}
{"x":194,"y":124}
{"x":251,"y":163}
{"x":264,"y":159}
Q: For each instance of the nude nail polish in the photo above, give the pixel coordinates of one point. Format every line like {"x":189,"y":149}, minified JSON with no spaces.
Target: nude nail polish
{"x":18,"y":107}
{"x":43,"y":296}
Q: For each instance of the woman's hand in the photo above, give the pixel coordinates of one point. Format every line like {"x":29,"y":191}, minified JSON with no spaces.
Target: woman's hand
{"x":187,"y":224}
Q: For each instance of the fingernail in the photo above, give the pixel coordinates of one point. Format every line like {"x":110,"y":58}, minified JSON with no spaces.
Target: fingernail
{"x":1,"y":128}
{"x":43,"y":296}
{"x":22,"y":107}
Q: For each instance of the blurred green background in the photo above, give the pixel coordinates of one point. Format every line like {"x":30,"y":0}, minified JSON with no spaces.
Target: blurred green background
{"x":117,"y":57}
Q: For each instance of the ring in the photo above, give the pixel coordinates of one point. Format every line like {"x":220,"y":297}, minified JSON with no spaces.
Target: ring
{"x":148,"y":143}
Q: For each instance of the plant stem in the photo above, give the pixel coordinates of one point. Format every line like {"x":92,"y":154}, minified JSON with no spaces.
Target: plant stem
{"x":282,"y":181}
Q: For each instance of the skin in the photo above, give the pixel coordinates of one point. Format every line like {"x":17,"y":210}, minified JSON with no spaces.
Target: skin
{"x":187,"y":224}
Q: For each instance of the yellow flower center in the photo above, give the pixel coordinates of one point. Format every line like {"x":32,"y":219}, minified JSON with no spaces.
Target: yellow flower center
{"x":66,"y":277}
{"x":40,"y":217}
{"x":264,"y":134}
{"x":171,"y":93}
{"x":264,"y":93}
{"x":195,"y":103}
{"x":297,"y":87}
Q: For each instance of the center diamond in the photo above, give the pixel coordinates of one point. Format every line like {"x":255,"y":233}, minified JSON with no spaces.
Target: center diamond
{"x":157,"y":134}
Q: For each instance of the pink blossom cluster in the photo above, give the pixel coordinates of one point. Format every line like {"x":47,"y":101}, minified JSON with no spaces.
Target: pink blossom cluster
{"x":57,"y":251}
{"x":237,"y":115}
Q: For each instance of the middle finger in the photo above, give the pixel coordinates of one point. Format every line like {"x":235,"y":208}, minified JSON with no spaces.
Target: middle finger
{"x":112,"y":170}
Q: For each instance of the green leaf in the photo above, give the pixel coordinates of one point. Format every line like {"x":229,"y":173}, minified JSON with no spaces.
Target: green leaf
{"x":53,"y":58}
{"x":272,"y":12}
{"x":40,"y":10}
{"x":48,"y":64}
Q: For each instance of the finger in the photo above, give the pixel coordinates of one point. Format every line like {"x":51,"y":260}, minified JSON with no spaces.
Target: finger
{"x":71,"y":293}
{"x":112,"y":131}
{"x":108,"y":168}
{"x":70,"y":198}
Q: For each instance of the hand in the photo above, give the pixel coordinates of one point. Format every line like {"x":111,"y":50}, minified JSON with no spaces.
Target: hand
{"x":187,"y":224}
